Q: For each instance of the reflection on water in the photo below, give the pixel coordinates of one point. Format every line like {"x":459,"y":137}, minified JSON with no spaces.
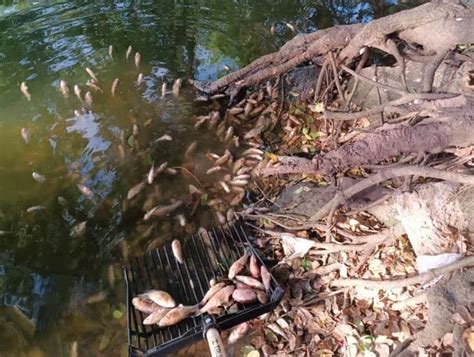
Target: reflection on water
{"x":57,"y":287}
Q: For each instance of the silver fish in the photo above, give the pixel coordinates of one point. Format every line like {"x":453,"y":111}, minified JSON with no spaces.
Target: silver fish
{"x":135,"y":190}
{"x":111,"y":50}
{"x":226,"y":68}
{"x":177,"y":86}
{"x":229,"y":133}
{"x":290,"y":26}
{"x":177,"y":251}
{"x":138,"y":58}
{"x":156,"y":316}
{"x":163,"y":89}
{"x":272,"y":29}
{"x":252,"y":282}
{"x":25,"y":134}
{"x":113,"y":88}
{"x":218,"y":299}
{"x":88,"y":99}
{"x":24,"y":90}
{"x":92,"y":74}
{"x":64,"y":88}
{"x":151,"y":174}
{"x":35,"y":208}
{"x":244,"y":296}
{"x":213,"y":170}
{"x":266,"y":277}
{"x":86,"y":191}
{"x":38,"y":177}
{"x":160,"y":297}
{"x":211,"y":292}
{"x":178,"y":314}
{"x":238,"y":266}
{"x":77,"y":92}
{"x":128,"y":53}
{"x":161,"y":211}
{"x":139,"y":79}
{"x":165,"y":137}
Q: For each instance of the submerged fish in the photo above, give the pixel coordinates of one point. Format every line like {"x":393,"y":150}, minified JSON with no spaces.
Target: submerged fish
{"x":138,"y":58}
{"x":177,"y":86}
{"x":160,"y":297}
{"x":79,"y":230}
{"x":24,"y":90}
{"x":156,"y":315}
{"x":113,"y":88}
{"x":91,"y":84}
{"x":163,"y":89}
{"x":86,"y":191}
{"x":92,"y":74}
{"x":25,"y":134}
{"x":177,"y":251}
{"x":139,"y":79}
{"x":178,"y":314}
{"x":218,"y":299}
{"x":290,"y":26}
{"x":128,"y":53}
{"x":145,"y":305}
{"x":111,"y":50}
{"x":211,"y":292}
{"x":252,"y":282}
{"x":151,"y":174}
{"x":38,"y":177}
{"x":35,"y":208}
{"x":77,"y":92}
{"x":135,"y":190}
{"x":88,"y":99}
{"x":238,"y":266}
{"x":244,"y":296}
{"x":165,"y":137}
{"x":160,"y":211}
{"x":64,"y":88}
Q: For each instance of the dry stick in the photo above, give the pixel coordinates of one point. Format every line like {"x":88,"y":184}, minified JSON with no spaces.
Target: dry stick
{"x":415,"y":300}
{"x":401,"y":283}
{"x":385,"y":174}
{"x":319,"y":83}
{"x":361,"y":64}
{"x":336,"y":75}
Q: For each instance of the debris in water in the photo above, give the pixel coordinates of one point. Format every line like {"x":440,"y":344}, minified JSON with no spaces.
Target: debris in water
{"x":24,"y":90}
{"x":177,"y":251}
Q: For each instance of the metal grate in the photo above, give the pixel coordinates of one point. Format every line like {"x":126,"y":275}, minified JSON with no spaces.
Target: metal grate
{"x":206,"y":257}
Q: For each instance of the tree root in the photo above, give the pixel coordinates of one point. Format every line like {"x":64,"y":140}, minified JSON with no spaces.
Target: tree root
{"x":401,"y":283}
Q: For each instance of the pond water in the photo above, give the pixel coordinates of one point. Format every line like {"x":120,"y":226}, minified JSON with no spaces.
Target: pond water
{"x":59,"y":285}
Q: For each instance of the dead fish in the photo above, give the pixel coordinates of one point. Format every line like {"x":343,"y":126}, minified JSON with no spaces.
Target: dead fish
{"x":25,"y":134}
{"x":160,"y":211}
{"x":135,"y":130}
{"x":290,"y":26}
{"x":238,"y":198}
{"x":138,"y":58}
{"x":224,"y":186}
{"x":95,"y":298}
{"x":211,"y":292}
{"x":145,"y":305}
{"x":135,"y":190}
{"x":139,"y":79}
{"x":262,"y":296}
{"x":62,"y":201}
{"x":111,"y":275}
{"x":220,"y":217}
{"x":88,"y":99}
{"x":77,"y":113}
{"x":151,"y":174}
{"x":111,"y":50}
{"x":161,"y":168}
{"x":24,"y":90}
{"x":252,"y":282}
{"x":253,"y":267}
{"x":159,"y":297}
{"x":171,"y":171}
{"x":240,"y":183}
{"x":177,"y":86}
{"x":194,"y":190}
{"x":266,"y":277}
{"x":38,"y":177}
{"x":74,"y":350}
{"x":218,"y":299}
{"x":235,"y":110}
{"x":113,"y":89}
{"x":238,"y":266}
{"x":35,"y":208}
{"x":123,"y":246}
{"x":230,"y":215}
{"x":252,"y":151}
{"x":91,"y":84}
{"x":64,"y":88}
{"x":77,"y":92}
{"x":229,"y":133}
{"x":165,"y":137}
{"x":177,"y":251}
{"x":213,"y":170}
{"x":163,"y":89}
{"x":181,"y":219}
{"x":128,"y":53}
{"x":79,"y":230}
{"x":244,"y":296}
{"x":156,"y":316}
{"x":226,"y":68}
{"x":272,"y":29}
{"x":238,"y":332}
{"x":92,"y":74}
{"x":86,"y":191}
{"x":190,"y":149}
{"x":178,"y":314}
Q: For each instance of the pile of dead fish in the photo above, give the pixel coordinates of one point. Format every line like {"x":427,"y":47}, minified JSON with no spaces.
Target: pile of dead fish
{"x":247,"y":282}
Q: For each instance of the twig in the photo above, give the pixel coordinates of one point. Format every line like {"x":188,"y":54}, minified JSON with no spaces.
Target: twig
{"x":319,"y":83}
{"x":415,"y":300}
{"x":386,"y":174}
{"x":336,"y":76}
{"x":401,"y":283}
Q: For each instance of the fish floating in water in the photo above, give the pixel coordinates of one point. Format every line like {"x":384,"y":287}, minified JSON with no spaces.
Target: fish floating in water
{"x":64,"y":88}
{"x":25,"y":134}
{"x":92,"y":74}
{"x":24,"y":89}
{"x":86,"y":191}
{"x":111,"y":50}
{"x":290,"y":26}
{"x":35,"y":208}
{"x":177,"y":86}
{"x":138,"y":58}
{"x":113,"y":88}
{"x":135,"y":190}
{"x":77,"y":92}
{"x":38,"y":177}
{"x":163,"y":89}
{"x":88,"y":99}
{"x":128,"y":52}
{"x":165,"y":137}
{"x":140,"y":79}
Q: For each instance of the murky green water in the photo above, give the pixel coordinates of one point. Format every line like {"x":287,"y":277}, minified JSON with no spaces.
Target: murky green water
{"x":48,"y":275}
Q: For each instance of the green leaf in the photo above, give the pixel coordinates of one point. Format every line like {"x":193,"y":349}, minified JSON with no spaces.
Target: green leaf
{"x":305,"y":131}
{"x":204,"y":198}
{"x":117,"y":314}
{"x":131,"y":141}
{"x":306,"y":264}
